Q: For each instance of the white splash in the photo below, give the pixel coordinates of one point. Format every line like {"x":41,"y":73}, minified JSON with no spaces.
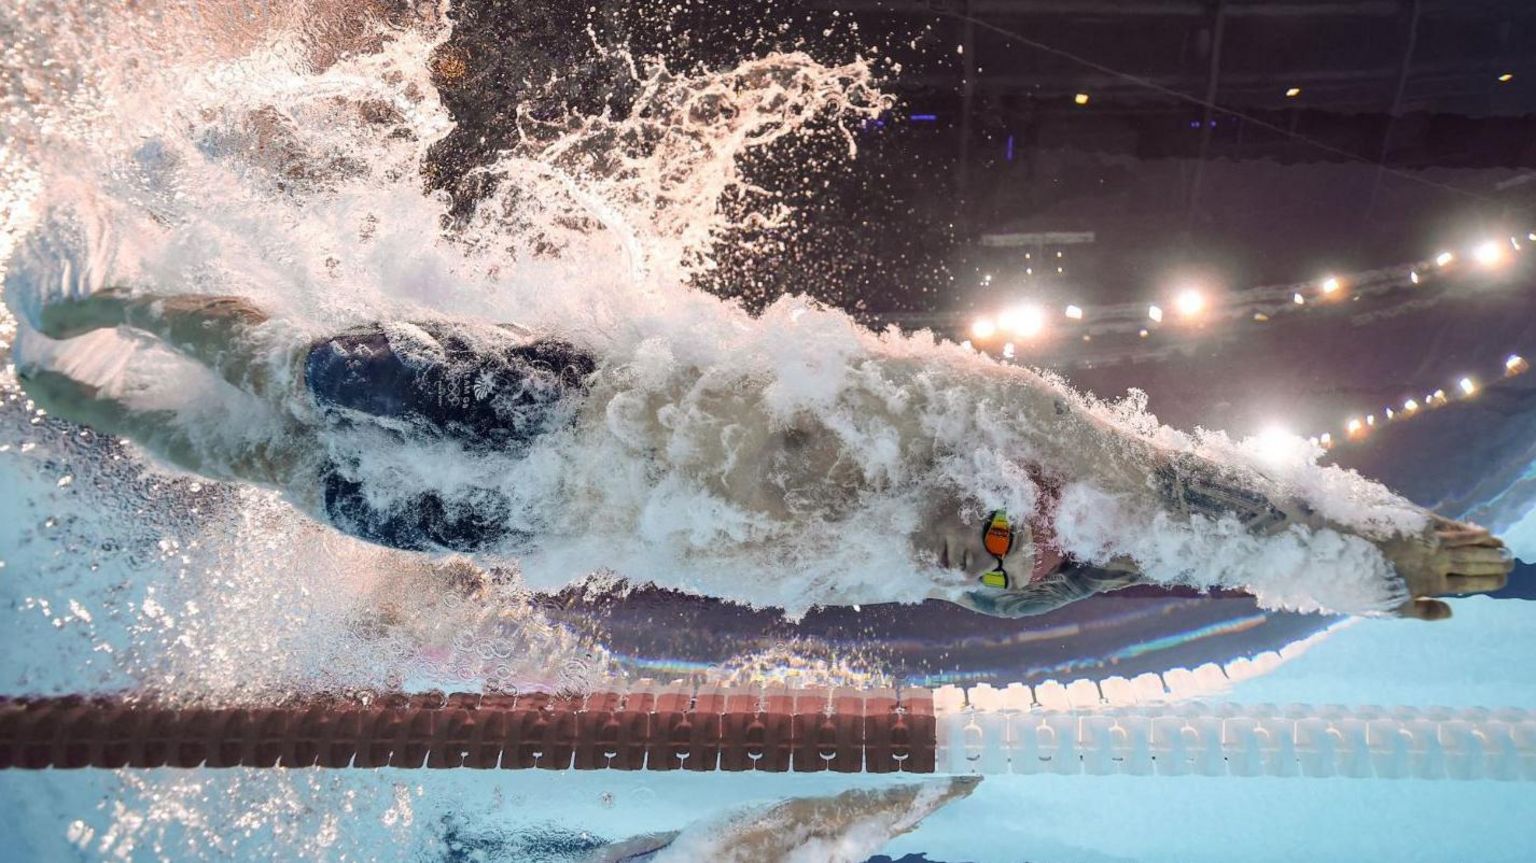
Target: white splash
{"x":239,"y":160}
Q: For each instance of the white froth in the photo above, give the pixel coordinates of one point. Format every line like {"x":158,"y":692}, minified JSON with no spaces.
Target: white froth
{"x":256,"y":175}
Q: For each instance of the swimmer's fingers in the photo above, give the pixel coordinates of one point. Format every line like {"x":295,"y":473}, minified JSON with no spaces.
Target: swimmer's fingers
{"x":1475,"y":583}
{"x":1456,"y":535}
{"x":1424,"y":609}
{"x":1479,"y":560}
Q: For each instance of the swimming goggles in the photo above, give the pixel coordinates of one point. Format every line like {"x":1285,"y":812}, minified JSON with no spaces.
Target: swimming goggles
{"x":997,"y":537}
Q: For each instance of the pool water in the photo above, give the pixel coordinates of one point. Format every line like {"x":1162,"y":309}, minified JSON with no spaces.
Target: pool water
{"x":698,"y":225}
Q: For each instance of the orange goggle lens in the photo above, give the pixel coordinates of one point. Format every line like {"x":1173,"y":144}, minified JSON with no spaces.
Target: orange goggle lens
{"x":997,"y":535}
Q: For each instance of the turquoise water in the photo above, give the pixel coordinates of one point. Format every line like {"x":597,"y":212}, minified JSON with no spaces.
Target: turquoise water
{"x":156,"y":149}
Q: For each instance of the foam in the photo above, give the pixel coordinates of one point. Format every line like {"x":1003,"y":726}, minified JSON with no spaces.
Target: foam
{"x":247,"y":168}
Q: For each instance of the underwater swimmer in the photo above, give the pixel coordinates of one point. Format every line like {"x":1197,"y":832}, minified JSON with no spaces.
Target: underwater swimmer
{"x":498,"y":389}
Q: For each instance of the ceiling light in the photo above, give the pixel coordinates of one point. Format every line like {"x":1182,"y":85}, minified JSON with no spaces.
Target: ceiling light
{"x":1489,"y":253}
{"x":1274,"y":444}
{"x":1025,"y":321}
{"x":1190,"y":302}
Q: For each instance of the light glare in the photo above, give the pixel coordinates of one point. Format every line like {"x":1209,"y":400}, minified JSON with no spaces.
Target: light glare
{"x":1190,"y":302}
{"x":1329,"y":285}
{"x":983,"y":328}
{"x":1025,"y":321}
{"x":1444,"y":258}
{"x":1489,"y":253}
{"x":1074,"y":313}
{"x":1275,"y":443}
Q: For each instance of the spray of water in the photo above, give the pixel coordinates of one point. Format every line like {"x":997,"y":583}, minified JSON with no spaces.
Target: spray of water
{"x":279,"y":153}
{"x":257,"y":164}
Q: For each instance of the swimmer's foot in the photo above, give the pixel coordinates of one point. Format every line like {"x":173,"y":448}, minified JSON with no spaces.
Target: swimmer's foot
{"x":69,"y":318}
{"x":1449,"y":558}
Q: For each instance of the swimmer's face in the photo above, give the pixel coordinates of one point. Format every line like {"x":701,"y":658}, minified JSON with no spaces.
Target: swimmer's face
{"x":956,"y":542}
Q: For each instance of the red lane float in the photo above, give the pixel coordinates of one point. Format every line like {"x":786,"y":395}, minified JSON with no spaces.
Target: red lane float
{"x":845,"y":731}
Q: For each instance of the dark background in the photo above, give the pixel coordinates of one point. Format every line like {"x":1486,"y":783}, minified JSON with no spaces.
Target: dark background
{"x":1189,"y":161}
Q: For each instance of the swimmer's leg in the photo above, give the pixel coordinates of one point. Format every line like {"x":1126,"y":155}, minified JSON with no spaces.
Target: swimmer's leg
{"x":219,"y":332}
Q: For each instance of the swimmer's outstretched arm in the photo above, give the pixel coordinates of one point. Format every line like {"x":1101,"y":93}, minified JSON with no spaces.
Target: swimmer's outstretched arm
{"x":1070,"y":443}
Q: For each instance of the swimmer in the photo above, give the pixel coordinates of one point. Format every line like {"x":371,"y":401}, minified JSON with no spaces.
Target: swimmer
{"x":848,"y":826}
{"x":498,"y":388}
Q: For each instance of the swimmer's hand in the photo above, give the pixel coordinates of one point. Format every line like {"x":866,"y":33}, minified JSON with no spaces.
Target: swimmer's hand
{"x":1450,"y":558}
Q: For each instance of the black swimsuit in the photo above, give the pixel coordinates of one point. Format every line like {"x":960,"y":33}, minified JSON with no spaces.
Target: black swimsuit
{"x":477,"y":388}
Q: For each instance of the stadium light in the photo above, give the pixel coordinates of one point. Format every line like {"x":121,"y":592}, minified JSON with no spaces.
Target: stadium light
{"x":1075,"y":313}
{"x":1081,"y":98}
{"x":1293,"y":92}
{"x":1155,"y":313}
{"x":1025,"y":321}
{"x":1275,"y":443}
{"x":1489,"y":253}
{"x":1444,"y":258}
{"x":1190,"y":302}
{"x":1468,"y":386}
{"x":1515,"y":364}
